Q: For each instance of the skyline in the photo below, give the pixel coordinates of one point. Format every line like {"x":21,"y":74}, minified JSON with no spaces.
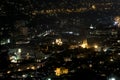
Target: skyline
{"x":60,"y":39}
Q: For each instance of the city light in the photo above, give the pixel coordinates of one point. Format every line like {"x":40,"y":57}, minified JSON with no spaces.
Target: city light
{"x":8,"y":41}
{"x":90,"y":65}
{"x":28,"y":55}
{"x":117,"y":21}
{"x":5,"y":41}
{"x":112,"y":78}
{"x":28,"y":68}
{"x":95,"y":46}
{"x":48,"y":78}
{"x":8,"y":72}
{"x":119,"y":54}
{"x":24,"y":75}
{"x":33,"y":67}
{"x":19,"y":69}
{"x":19,"y":50}
{"x":111,"y":59}
{"x":84,"y":44}
{"x":13,"y":59}
{"x":60,"y":71}
{"x":91,"y":26}
{"x":93,"y":7}
{"x":118,"y":41}
{"x":58,"y":41}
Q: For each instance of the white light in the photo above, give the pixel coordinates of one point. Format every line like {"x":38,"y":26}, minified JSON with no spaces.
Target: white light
{"x":8,"y":41}
{"x":49,"y":79}
{"x":53,"y":43}
{"x":119,"y":54}
{"x":96,"y":46}
{"x":112,"y":78}
{"x":70,"y":32}
{"x":8,"y":72}
{"x":24,"y":75}
{"x":93,"y":7}
{"x":118,"y":41}
{"x":33,"y":67}
{"x":115,"y":23}
{"x":19,"y":69}
{"x":105,"y":50}
{"x":111,"y":60}
{"x":91,"y":27}
{"x":90,"y":65}
{"x":19,"y":50}
{"x":45,"y":57}
{"x":2,"y":43}
{"x":13,"y":59}
{"x":59,"y":42}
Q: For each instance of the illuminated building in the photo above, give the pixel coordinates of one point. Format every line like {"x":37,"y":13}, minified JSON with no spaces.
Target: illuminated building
{"x":84,"y":44}
{"x":117,"y":21}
